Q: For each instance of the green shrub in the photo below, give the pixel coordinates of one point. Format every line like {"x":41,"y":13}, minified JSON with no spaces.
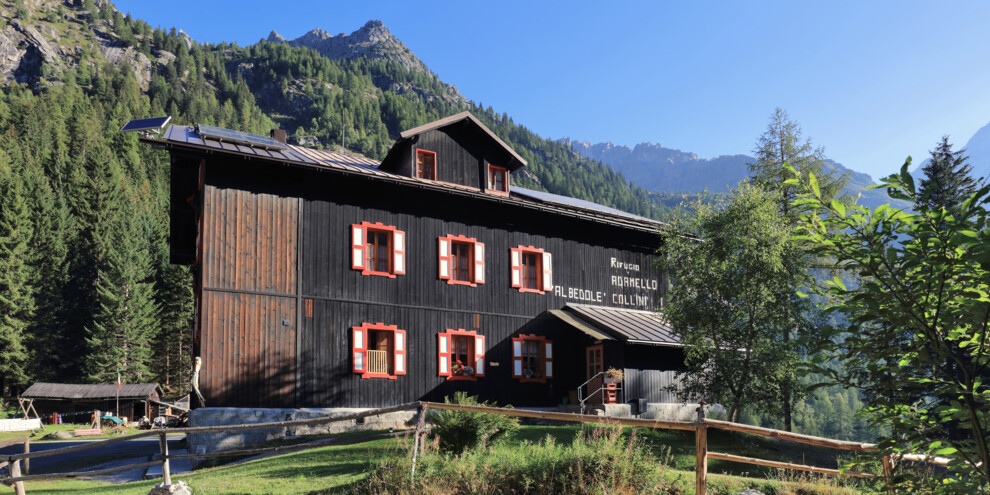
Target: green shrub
{"x":458,"y":431}
{"x":599,"y":460}
{"x":8,"y":411}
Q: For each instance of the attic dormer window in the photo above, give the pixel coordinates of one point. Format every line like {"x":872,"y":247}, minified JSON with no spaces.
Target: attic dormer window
{"x":498,"y":180}
{"x":426,"y":164}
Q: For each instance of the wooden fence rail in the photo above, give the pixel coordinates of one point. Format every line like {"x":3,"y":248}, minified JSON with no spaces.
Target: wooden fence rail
{"x":15,"y":467}
{"x":700,"y":427}
{"x":17,"y":479}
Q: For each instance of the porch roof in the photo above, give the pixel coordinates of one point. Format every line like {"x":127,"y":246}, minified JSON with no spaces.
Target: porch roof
{"x":628,"y":325}
{"x":580,"y":324}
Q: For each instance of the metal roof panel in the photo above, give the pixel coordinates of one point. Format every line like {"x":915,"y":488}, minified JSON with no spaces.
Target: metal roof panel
{"x":628,"y":324}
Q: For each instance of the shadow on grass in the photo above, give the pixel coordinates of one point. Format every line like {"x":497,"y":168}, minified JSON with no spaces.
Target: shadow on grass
{"x":89,"y":487}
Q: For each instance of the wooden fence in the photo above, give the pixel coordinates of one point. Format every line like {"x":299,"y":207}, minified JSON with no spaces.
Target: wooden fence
{"x":15,"y":467}
{"x":700,"y":427}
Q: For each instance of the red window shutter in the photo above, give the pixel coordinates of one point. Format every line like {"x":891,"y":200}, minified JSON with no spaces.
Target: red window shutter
{"x":479,"y":355}
{"x":357,"y":247}
{"x":398,"y":252}
{"x":548,"y":364}
{"x":400,"y":352}
{"x":517,"y":344}
{"x":443,"y":354}
{"x":547,"y":272}
{"x":479,"y":263}
{"x":360,"y":335}
{"x":444,"y":264}
{"x":516,"y":263}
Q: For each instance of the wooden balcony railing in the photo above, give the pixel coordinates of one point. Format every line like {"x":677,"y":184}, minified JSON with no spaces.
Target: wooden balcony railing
{"x":378,"y":362}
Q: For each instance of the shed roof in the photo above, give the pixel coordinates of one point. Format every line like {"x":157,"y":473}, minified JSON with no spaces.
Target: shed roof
{"x":71,"y":391}
{"x":580,"y":324}
{"x":629,"y":325}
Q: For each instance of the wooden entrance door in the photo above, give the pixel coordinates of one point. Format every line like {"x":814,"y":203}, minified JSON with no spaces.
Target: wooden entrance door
{"x":594,"y":364}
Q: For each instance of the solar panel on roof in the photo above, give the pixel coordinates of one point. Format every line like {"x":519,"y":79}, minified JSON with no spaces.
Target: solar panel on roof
{"x":580,"y":203}
{"x":145,"y":124}
{"x":239,"y":137}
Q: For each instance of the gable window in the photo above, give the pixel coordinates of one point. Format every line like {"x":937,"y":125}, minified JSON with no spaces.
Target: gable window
{"x":378,"y":249}
{"x":498,"y":180}
{"x":461,"y":354}
{"x":379,"y":351}
{"x":461,"y":260}
{"x":426,"y":164}
{"x":532,"y":269}
{"x":532,"y":358}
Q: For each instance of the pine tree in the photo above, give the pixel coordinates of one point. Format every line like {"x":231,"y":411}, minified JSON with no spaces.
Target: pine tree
{"x":16,"y":298}
{"x":782,"y":144}
{"x":124,"y":325}
{"x":947,"y":181}
{"x":97,"y":200}
{"x":172,"y":353}
{"x":49,"y":252}
{"x":172,"y":356}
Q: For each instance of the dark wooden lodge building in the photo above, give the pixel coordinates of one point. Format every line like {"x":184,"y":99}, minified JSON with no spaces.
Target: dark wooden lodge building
{"x":332,"y":280}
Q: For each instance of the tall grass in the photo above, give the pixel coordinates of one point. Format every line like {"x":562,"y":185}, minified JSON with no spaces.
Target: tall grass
{"x":599,"y":460}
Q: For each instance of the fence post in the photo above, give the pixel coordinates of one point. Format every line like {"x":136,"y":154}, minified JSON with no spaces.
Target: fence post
{"x":15,"y":472}
{"x":27,"y":450}
{"x":163,"y":444}
{"x":888,"y":469}
{"x":416,"y":440}
{"x":701,"y":452}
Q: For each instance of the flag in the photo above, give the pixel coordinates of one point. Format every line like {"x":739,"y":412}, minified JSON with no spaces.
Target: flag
{"x":118,"y":378}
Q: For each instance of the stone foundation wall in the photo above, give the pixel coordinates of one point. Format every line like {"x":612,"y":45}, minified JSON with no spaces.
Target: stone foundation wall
{"x":678,"y":411}
{"x":202,"y":443}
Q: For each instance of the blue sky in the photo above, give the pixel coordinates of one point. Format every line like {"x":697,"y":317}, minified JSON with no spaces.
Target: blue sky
{"x":872,"y":82}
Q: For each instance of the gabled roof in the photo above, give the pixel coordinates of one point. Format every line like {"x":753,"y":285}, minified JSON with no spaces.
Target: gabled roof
{"x":71,"y":391}
{"x":181,"y":137}
{"x":453,"y":119}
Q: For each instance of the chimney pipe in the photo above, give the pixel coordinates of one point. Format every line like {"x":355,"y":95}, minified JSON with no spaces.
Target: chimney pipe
{"x":278,"y":135}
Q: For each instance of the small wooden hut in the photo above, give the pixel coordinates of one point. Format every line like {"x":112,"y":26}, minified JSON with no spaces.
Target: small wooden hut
{"x":71,"y":400}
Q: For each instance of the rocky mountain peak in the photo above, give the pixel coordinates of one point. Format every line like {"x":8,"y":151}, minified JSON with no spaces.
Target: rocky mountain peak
{"x":188,"y":40}
{"x":372,"y":40}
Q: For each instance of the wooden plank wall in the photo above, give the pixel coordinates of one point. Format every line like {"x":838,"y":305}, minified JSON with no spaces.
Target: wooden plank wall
{"x":248,"y":304}
{"x":250,"y":241}
{"x":325,"y":358}
{"x":651,"y":385}
{"x":455,"y":163}
{"x":423,"y":305}
{"x":577,"y":265}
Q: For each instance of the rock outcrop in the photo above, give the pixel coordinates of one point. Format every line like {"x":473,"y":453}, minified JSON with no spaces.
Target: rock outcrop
{"x":373,"y":40}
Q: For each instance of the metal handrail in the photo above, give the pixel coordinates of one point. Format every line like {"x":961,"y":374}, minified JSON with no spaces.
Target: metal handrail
{"x":582,"y":399}
{"x":580,"y":387}
{"x":589,"y":380}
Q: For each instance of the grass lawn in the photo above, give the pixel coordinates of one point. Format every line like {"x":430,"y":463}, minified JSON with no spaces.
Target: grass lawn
{"x":330,"y":469}
{"x":36,"y":436}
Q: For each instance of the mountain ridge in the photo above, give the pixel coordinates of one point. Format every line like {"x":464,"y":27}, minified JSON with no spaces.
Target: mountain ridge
{"x":672,"y":171}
